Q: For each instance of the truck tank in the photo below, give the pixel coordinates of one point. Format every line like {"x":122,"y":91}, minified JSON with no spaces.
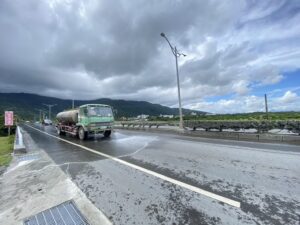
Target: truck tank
{"x":70,"y":116}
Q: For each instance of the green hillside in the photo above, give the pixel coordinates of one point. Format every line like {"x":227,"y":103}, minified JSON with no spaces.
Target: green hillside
{"x":26,"y":106}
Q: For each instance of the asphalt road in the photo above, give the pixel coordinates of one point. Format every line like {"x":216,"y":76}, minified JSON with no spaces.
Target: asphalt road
{"x":263,"y":178}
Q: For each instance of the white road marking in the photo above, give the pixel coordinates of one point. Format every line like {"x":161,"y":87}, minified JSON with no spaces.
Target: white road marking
{"x":135,"y":152}
{"x":155,"y":174}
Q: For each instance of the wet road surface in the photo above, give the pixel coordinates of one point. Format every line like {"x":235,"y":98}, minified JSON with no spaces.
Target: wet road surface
{"x":263,"y":178}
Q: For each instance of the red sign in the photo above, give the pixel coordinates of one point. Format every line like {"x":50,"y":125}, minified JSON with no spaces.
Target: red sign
{"x":9,"y":118}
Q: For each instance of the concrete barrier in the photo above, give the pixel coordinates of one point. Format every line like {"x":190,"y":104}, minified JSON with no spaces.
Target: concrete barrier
{"x":19,"y":146}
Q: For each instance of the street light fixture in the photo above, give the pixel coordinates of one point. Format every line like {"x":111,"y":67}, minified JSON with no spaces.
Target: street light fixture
{"x":176,"y":54}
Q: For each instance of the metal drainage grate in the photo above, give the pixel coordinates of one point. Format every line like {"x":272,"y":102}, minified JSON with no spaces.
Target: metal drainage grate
{"x":64,"y":214}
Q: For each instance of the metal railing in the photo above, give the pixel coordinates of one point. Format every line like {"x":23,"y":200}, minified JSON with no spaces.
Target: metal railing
{"x":260,"y":125}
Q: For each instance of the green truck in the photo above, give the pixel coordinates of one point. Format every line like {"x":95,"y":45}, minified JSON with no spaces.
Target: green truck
{"x":89,"y":119}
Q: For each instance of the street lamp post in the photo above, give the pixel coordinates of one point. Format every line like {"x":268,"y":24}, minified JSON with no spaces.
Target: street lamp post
{"x":49,"y":106}
{"x":176,"y":54}
{"x":41,"y":113}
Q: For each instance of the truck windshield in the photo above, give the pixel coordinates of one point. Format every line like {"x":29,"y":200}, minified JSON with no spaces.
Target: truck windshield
{"x":100,"y":111}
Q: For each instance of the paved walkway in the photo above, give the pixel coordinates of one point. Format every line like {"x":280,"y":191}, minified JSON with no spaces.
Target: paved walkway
{"x":33,"y":183}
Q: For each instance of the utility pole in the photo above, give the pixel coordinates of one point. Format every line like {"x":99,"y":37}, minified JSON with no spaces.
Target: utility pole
{"x":176,"y":54}
{"x":266,"y":105}
{"x":40,"y":111}
{"x":72,"y":103}
{"x":49,"y":106}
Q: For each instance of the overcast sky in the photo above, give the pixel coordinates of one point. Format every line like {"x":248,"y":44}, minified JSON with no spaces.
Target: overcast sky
{"x":236,"y":51}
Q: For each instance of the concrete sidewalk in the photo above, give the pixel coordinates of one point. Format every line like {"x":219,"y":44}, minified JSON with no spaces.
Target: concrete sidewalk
{"x":34,"y":183}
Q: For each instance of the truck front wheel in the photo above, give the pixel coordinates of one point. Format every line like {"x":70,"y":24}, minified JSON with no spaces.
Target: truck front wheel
{"x":107,"y":133}
{"x":82,"y":134}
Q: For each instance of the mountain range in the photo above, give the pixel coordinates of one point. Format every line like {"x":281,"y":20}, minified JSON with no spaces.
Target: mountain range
{"x":27,"y":106}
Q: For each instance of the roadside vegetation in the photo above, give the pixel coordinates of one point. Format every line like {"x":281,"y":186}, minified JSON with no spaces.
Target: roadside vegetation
{"x":6,"y":143}
{"x":6,"y":148}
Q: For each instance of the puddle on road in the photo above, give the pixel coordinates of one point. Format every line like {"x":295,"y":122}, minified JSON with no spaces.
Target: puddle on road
{"x":22,"y":160}
{"x":28,"y":157}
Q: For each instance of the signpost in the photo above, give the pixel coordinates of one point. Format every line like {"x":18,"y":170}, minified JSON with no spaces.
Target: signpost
{"x":9,"y":120}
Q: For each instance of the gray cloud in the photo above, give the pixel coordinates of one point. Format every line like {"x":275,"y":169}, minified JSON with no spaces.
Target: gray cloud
{"x":93,"y":49}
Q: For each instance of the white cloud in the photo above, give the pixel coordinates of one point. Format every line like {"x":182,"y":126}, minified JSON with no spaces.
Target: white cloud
{"x":238,"y":104}
{"x":289,"y":97}
{"x":241,"y":87}
{"x":288,"y":102}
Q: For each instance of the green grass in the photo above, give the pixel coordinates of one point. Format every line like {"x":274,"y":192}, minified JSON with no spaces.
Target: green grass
{"x":6,"y":148}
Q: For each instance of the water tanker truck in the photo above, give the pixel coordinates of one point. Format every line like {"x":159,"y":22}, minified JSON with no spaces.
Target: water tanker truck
{"x":86,"y":120}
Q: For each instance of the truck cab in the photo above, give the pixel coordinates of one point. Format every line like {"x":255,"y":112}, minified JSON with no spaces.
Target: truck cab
{"x":94,"y":119}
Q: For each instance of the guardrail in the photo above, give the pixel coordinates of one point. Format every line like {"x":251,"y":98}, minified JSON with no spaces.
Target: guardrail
{"x":144,"y":124}
{"x":260,"y":126}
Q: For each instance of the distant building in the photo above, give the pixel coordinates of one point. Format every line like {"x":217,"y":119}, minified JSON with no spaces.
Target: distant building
{"x":166,"y":116}
{"x":142,"y":117}
{"x":193,"y":114}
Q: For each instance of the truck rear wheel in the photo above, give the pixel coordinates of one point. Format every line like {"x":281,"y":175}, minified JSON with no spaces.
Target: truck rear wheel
{"x":82,"y":134}
{"x":107,"y":133}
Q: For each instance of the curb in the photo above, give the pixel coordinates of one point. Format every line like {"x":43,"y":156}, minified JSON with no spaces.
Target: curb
{"x":19,"y":146}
